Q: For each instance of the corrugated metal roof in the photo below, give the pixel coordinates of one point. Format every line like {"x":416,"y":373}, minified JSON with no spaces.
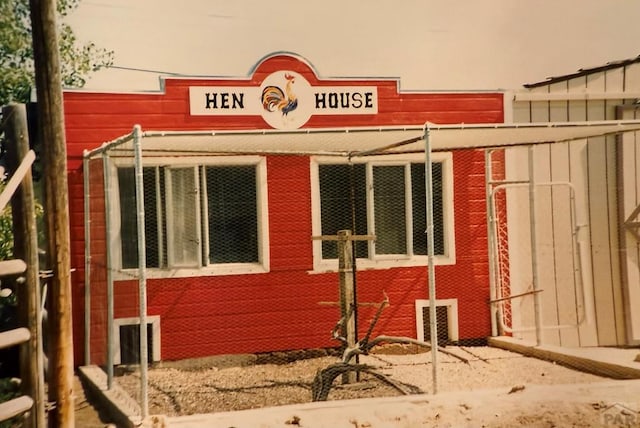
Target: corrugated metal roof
{"x":584,"y":72}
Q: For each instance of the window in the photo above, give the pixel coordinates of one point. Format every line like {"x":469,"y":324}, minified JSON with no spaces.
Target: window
{"x":197,"y":216}
{"x":446,"y":320}
{"x":386,"y":197}
{"x":126,"y":339}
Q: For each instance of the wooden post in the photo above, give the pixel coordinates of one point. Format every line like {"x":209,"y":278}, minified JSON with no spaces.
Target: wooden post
{"x":348,"y":304}
{"x":25,"y":247}
{"x":347,"y":295}
{"x":51,"y":132}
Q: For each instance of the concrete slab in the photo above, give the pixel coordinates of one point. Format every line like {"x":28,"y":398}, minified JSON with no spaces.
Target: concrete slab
{"x":475,"y":407}
{"x":584,"y":404}
{"x":123,"y":409}
{"x":615,"y":363}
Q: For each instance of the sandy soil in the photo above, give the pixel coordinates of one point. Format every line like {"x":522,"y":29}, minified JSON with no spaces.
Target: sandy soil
{"x":86,"y":414}
{"x":523,"y":385}
{"x":534,"y":406}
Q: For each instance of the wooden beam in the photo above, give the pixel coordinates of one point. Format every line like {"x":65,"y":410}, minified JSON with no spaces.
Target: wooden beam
{"x":15,"y":407}
{"x":359,"y":304}
{"x":515,"y":296}
{"x":14,"y":337}
{"x":347,"y":295}
{"x":12,"y":267}
{"x":54,"y":150}
{"x":16,"y":179}
{"x":344,"y":238}
{"x":25,"y":247}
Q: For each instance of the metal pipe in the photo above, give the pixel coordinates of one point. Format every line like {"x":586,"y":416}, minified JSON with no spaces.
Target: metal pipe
{"x":87,"y":260}
{"x":537,"y":302}
{"x":108,"y":146}
{"x":309,"y":131}
{"x":109,"y":274}
{"x":142,"y":268}
{"x":492,"y":245}
{"x":430,"y":254}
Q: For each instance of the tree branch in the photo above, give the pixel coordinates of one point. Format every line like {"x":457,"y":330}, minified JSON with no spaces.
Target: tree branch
{"x":324,"y":379}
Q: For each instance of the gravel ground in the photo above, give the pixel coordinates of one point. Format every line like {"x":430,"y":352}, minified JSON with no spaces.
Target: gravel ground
{"x":185,"y":388}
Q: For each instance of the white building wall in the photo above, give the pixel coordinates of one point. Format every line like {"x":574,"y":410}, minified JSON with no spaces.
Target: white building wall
{"x":629,"y":213}
{"x":593,"y":169}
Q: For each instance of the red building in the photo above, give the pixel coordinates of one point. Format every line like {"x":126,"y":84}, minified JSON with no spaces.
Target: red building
{"x":232,"y":267}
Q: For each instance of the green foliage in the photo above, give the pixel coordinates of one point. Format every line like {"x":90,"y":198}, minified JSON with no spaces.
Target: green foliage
{"x":9,"y":389}
{"x":6,"y":234}
{"x":16,"y":52}
{"x":6,"y":228}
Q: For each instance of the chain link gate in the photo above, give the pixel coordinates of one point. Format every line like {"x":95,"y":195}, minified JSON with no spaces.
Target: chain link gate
{"x":517,"y":300}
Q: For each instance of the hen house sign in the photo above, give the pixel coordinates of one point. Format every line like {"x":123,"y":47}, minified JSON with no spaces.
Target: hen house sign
{"x":285,"y":100}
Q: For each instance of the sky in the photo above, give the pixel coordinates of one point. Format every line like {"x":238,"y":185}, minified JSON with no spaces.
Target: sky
{"x":429,"y":45}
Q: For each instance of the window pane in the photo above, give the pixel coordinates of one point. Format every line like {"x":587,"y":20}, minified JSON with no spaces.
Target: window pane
{"x":128,"y":217}
{"x":339,"y":184}
{"x":128,"y":224}
{"x":420,"y":208}
{"x":183,"y":224}
{"x":233,"y":214}
{"x":389,"y":205}
{"x":152,"y":217}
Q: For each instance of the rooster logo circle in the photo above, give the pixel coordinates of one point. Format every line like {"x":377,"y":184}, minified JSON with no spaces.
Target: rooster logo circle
{"x":273,"y":98}
{"x":280,"y":100}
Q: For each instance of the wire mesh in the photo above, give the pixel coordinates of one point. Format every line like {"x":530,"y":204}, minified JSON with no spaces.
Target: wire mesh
{"x":244,"y":280}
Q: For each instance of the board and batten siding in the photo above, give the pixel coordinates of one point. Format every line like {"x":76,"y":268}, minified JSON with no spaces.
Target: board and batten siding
{"x":629,"y":179}
{"x":594,"y":170}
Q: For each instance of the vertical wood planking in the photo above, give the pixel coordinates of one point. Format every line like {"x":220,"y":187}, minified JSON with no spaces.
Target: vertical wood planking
{"x":544,"y":226}
{"x":629,"y":156}
{"x":632,"y":77}
{"x":544,"y":243}
{"x":577,"y":111}
{"x":629,"y":173}
{"x":563,"y":256}
{"x":518,"y":231}
{"x":633,"y":274}
{"x":600,"y":214}
{"x":614,"y":82}
{"x":606,"y":175}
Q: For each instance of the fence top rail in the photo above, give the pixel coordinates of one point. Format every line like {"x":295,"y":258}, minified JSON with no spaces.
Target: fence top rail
{"x":355,"y":142}
{"x":15,"y":407}
{"x":16,"y":178}
{"x":14,"y":337}
{"x":89,"y":154}
{"x":12,"y":267}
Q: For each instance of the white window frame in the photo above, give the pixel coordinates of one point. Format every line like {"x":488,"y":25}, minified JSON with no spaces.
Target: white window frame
{"x":386,"y":261}
{"x":452,"y":317}
{"x":171,"y":221}
{"x":262,"y":266}
{"x":154,"y":320}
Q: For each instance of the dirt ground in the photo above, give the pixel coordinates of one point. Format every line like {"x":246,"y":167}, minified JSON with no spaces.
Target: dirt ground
{"x":525,"y":392}
{"x":87,"y":415}
{"x":541,"y":406}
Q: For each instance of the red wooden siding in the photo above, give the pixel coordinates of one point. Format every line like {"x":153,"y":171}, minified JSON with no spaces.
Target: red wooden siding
{"x":278,"y":310}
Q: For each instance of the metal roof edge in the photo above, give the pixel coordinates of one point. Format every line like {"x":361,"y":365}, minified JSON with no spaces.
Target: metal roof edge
{"x":583,"y":72}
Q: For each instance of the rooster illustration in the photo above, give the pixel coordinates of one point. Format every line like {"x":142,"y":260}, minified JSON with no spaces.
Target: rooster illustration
{"x":273,"y":98}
